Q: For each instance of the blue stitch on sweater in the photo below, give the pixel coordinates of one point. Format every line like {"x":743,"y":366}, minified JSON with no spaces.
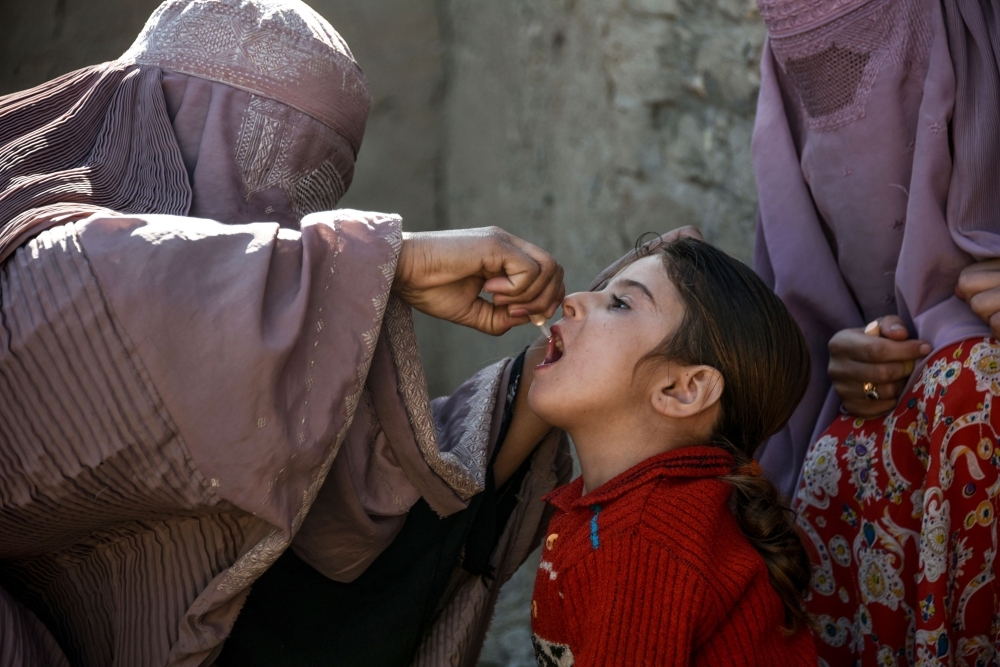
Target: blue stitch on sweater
{"x":593,"y":526}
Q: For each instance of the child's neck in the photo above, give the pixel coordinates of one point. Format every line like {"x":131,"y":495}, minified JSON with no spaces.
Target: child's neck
{"x":609,"y":449}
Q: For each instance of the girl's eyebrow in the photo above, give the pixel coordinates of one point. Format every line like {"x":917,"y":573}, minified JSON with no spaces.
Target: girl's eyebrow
{"x":628,"y":282}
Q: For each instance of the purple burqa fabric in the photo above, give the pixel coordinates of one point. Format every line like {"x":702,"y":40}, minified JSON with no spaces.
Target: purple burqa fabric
{"x":874,"y":150}
{"x":201,"y":364}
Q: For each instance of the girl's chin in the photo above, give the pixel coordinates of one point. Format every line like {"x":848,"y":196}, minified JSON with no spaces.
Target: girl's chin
{"x":553,"y":412}
{"x":544,"y":403}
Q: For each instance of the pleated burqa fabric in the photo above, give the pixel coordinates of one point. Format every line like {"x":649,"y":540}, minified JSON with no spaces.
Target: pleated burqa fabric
{"x":97,"y":137}
{"x":874,"y":149}
{"x":191,"y":340}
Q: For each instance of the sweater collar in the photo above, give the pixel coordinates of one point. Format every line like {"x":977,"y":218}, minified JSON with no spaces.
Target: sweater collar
{"x":691,"y":462}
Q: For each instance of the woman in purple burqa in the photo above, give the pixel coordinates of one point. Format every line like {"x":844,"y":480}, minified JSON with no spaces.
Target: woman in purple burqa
{"x":875,"y":152}
{"x":209,"y":379}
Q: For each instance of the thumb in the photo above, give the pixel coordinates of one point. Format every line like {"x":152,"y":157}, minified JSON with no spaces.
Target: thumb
{"x":491,"y":319}
{"x":499,"y":285}
{"x":892,"y":327}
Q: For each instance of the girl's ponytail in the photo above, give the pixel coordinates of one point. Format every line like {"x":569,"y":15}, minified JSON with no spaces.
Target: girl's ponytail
{"x":768,"y":524}
{"x":735,"y":323}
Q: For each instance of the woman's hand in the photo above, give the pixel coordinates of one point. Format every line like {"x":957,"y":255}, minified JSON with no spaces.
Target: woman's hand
{"x":883,"y":356}
{"x":444,"y":273}
{"x":979,"y":285}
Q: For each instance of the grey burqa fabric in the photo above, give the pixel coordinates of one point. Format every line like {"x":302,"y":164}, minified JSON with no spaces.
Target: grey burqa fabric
{"x":201,"y":364}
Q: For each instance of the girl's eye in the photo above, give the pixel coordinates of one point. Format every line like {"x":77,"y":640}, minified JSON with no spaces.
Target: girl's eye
{"x":618,"y":303}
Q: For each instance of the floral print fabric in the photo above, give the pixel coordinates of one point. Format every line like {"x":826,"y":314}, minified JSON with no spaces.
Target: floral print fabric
{"x":898,"y":516}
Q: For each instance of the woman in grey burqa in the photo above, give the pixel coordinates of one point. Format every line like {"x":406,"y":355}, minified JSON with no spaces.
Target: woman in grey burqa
{"x":216,"y":444}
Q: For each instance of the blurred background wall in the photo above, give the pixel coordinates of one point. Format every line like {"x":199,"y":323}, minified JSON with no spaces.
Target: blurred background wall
{"x":576,"y":124}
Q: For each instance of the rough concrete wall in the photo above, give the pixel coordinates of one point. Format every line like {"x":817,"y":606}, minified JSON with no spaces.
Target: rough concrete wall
{"x":41,"y":39}
{"x":581,"y":124}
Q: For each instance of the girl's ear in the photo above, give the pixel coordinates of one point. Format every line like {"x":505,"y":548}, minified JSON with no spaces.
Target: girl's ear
{"x":687,"y":391}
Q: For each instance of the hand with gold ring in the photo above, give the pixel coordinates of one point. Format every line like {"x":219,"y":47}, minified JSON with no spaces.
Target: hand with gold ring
{"x":871,"y":391}
{"x":869,"y":367}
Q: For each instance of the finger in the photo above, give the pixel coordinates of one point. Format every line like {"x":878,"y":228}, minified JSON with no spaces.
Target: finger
{"x":505,"y":268}
{"x":892,"y":326}
{"x":548,"y":301}
{"x":854,"y":344}
{"x":686,"y":231}
{"x":510,"y":271}
{"x":978,"y":277}
{"x":855,"y":390}
{"x":986,"y":303}
{"x":544,"y":281}
{"x":549,"y":270}
{"x":985,"y":265}
{"x":859,"y":372}
{"x":490,"y":319}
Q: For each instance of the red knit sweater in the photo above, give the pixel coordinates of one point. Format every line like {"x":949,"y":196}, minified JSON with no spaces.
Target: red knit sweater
{"x":651,"y":569}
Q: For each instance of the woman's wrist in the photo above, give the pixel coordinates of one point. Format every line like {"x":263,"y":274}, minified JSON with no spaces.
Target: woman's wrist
{"x":404,"y":263}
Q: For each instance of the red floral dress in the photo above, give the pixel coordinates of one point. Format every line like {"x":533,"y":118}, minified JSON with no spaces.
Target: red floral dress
{"x":899,"y":518}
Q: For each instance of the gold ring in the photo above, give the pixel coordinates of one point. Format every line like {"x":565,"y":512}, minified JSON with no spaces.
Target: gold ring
{"x":871,"y":392}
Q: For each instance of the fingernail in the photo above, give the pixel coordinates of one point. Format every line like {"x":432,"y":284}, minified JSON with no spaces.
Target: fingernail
{"x":517,"y":312}
{"x":925,"y":349}
{"x":897,"y":327}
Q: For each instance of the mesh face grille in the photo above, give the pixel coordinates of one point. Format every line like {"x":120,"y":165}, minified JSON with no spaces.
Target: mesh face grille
{"x":834,"y":65}
{"x":828,"y":81}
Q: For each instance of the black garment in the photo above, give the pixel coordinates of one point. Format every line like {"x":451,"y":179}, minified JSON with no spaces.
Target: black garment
{"x":294,"y":615}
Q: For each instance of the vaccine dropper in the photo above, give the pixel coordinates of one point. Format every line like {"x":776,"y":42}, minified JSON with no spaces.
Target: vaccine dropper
{"x":539,"y":321}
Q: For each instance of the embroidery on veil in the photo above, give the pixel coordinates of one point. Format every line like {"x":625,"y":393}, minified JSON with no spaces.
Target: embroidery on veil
{"x":833,"y":52}
{"x":262,"y":153}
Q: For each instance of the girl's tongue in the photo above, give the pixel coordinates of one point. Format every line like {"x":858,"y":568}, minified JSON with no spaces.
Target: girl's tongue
{"x":554,"y":351}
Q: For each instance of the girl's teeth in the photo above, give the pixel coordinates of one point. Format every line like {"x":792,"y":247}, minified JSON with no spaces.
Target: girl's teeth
{"x":559,"y":345}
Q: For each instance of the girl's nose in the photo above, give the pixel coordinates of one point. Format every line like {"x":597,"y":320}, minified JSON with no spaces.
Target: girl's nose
{"x":573,"y":305}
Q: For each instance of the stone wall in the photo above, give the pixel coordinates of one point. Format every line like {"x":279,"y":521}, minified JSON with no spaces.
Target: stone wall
{"x":582,"y":124}
{"x":577,"y":124}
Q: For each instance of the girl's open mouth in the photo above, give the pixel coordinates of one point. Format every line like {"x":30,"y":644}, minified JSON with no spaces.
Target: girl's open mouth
{"x":555,"y":350}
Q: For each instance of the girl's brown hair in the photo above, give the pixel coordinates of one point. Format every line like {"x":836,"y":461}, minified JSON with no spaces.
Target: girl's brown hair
{"x":735,"y":324}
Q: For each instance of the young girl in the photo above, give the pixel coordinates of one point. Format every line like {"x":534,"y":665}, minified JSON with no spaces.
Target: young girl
{"x":671,"y":549}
